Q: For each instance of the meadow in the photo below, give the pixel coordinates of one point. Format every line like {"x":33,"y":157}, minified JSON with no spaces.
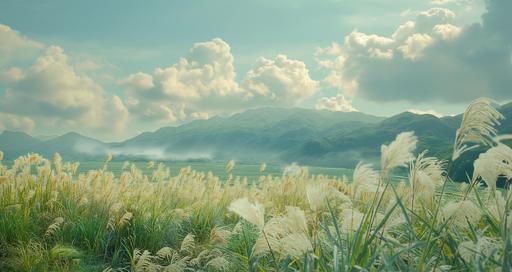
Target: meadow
{"x":154,"y":217}
{"x":251,"y":171}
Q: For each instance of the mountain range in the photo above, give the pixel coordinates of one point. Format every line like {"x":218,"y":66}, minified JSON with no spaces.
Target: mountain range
{"x":273,"y":135}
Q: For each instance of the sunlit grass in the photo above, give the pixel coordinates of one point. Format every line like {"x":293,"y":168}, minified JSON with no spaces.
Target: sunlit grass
{"x":148,"y":218}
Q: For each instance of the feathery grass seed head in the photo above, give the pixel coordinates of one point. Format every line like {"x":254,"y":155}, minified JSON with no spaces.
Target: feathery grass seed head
{"x":477,"y":127}
{"x":254,"y":213}
{"x":399,"y":152}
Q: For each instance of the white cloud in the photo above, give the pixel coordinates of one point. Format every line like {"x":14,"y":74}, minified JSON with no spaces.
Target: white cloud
{"x":447,"y":31}
{"x":200,"y":115}
{"x":87,"y":65}
{"x":446,"y":2}
{"x":14,"y":45}
{"x":282,"y":82}
{"x":204,"y":83}
{"x":138,"y":81}
{"x":11,"y":75}
{"x":51,"y":92}
{"x":335,"y":103}
{"x":414,"y":45}
{"x":429,"y":59}
{"x":117,"y":114}
{"x":442,"y":2}
{"x":15,"y":123}
{"x":426,"y":20}
{"x":207,"y":71}
{"x":424,"y":112}
{"x":204,"y":76}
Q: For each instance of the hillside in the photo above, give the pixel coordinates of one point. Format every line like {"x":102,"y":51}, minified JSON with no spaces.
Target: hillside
{"x":255,"y":135}
{"x":273,"y":135}
{"x":14,"y":144}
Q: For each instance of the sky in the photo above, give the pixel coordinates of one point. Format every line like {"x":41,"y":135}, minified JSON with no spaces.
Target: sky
{"x":113,"y":69}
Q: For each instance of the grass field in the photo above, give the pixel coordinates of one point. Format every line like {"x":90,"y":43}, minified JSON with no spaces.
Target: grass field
{"x":251,"y":171}
{"x":243,"y":170}
{"x":108,"y":216}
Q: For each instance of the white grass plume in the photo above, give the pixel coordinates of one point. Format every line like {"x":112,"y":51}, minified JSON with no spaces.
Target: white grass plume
{"x":426,"y":173}
{"x":165,"y":253}
{"x":218,"y":264}
{"x":364,"y":174}
{"x":188,"y":244}
{"x":317,"y":196}
{"x":263,"y":167}
{"x":150,"y":164}
{"x":399,"y":152}
{"x":230,"y":166}
{"x":143,"y":261}
{"x":477,"y":127}
{"x":460,"y":213}
{"x":484,"y":247}
{"x":295,"y":170}
{"x":108,"y":158}
{"x":254,"y":213}
{"x":61,"y":252}
{"x":219,"y":235}
{"x":124,"y":220}
{"x":493,"y":163}
{"x":286,"y":235}
{"x":54,"y":226}
{"x":295,"y":245}
{"x":365,"y":179}
{"x":351,"y":219}
{"x":295,"y":220}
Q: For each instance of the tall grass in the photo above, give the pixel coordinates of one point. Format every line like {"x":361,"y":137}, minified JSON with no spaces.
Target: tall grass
{"x":53,"y":219}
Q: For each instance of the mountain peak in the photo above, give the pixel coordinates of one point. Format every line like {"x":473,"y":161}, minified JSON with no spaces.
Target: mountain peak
{"x":72,"y":136}
{"x":13,"y":133}
{"x":507,"y":106}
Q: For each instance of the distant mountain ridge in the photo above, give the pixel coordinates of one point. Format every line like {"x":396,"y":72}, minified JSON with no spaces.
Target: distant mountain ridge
{"x":273,"y":135}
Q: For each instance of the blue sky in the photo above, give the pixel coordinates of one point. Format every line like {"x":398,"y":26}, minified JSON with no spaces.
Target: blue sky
{"x":117,"y":68}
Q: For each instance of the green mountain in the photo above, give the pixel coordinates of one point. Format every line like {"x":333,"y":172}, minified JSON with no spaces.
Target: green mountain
{"x":73,"y":146}
{"x":273,"y":135}
{"x":268,"y":134}
{"x":364,"y":143}
{"x":14,"y":144}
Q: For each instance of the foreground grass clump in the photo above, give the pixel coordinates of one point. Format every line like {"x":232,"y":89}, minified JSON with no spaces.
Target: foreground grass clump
{"x":52,"y":219}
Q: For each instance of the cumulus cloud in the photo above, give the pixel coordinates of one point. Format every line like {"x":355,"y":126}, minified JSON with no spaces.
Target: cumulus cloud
{"x":446,"y":2}
{"x":282,"y":82}
{"x":204,"y":83}
{"x":414,"y":45}
{"x":14,"y":45}
{"x":138,"y":81}
{"x":429,"y":59}
{"x":15,"y":123}
{"x":51,"y":92}
{"x":87,"y":65}
{"x":426,"y":20}
{"x":11,"y":75}
{"x":199,"y":79}
{"x":442,"y":2}
{"x":335,"y":103}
